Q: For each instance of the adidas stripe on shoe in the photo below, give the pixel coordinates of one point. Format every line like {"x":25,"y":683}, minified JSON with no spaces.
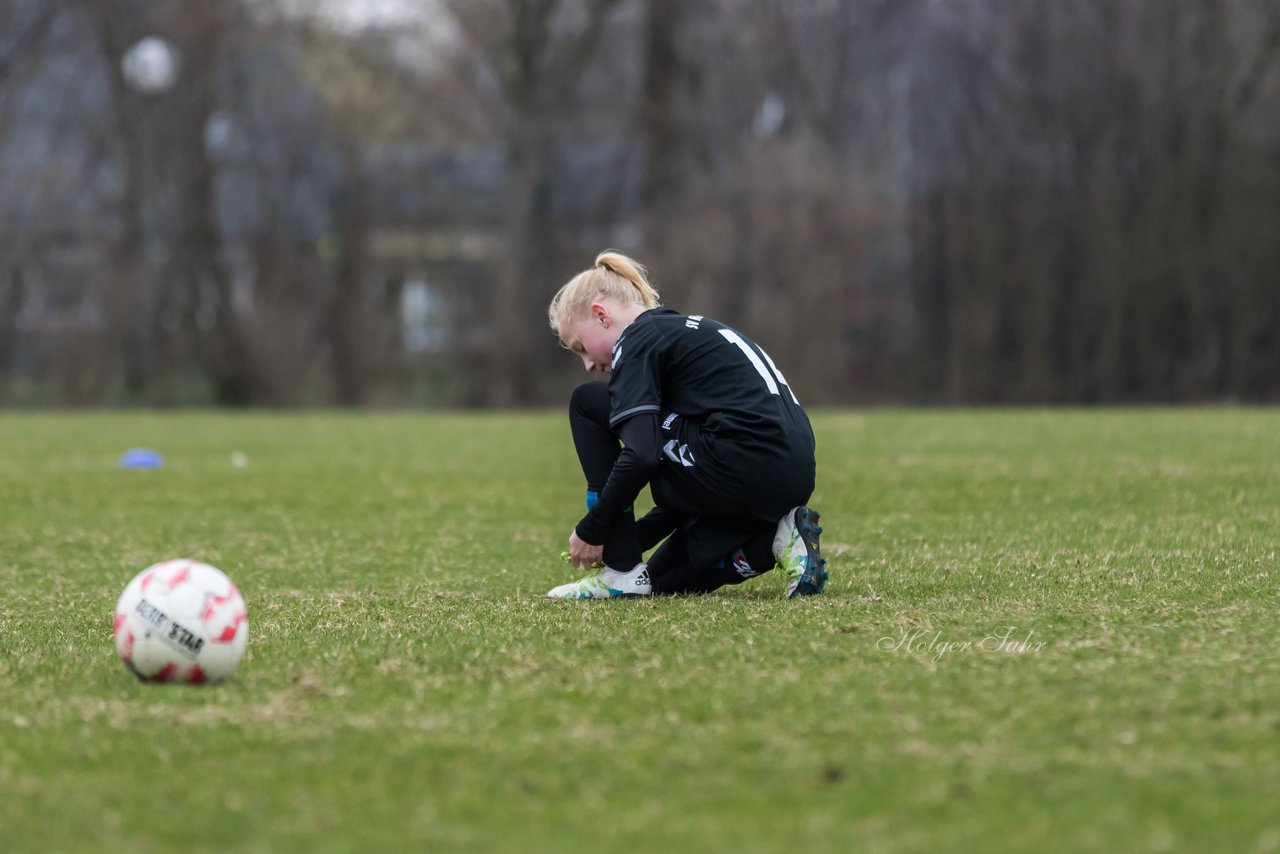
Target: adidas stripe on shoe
{"x":606,"y":584}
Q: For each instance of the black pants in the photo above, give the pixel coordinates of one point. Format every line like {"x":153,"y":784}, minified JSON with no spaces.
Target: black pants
{"x":707,"y":539}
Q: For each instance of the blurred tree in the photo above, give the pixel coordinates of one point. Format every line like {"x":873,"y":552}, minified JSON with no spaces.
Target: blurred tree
{"x":366,"y":102}
{"x":1096,"y":214}
{"x":135,"y":300}
{"x":966,"y":201}
{"x":24,"y":27}
{"x":770,"y":171}
{"x":538,"y":51}
{"x":181,"y":306}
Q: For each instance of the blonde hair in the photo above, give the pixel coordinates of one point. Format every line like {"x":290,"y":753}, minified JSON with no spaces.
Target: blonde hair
{"x":614,"y":276}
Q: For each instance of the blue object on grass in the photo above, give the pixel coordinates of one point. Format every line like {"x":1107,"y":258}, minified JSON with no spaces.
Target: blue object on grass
{"x":141,"y":458}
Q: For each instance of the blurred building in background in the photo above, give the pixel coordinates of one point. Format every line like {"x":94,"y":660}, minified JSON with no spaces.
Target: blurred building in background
{"x":370,"y":203}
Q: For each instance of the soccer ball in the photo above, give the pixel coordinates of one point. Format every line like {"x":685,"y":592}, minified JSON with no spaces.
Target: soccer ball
{"x":181,"y":621}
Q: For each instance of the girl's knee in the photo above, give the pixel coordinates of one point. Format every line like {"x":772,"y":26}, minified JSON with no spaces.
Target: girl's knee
{"x":590,"y":399}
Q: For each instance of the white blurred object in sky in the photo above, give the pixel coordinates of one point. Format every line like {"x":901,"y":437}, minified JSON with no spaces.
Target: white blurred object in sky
{"x":422,"y":29}
{"x":151,"y":65}
{"x":371,"y":14}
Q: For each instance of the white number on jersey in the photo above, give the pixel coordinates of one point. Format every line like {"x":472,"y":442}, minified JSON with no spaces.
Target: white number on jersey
{"x":771,"y":375}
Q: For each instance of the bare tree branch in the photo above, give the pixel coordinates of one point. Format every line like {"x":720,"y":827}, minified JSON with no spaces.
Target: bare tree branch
{"x":1268,"y":50}
{"x":25,"y":40}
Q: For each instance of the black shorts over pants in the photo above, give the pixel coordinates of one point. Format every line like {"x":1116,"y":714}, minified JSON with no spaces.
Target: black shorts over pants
{"x":725,"y":493}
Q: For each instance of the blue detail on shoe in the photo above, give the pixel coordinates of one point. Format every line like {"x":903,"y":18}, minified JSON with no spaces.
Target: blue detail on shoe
{"x":814,"y":579}
{"x":613,"y":594}
{"x":596,"y":587}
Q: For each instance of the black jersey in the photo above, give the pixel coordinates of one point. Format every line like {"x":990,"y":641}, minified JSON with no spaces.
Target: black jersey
{"x":707,"y":419}
{"x":666,"y":362}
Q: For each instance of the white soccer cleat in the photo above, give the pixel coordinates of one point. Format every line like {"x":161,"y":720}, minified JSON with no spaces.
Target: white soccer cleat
{"x":606,"y":584}
{"x":795,"y":547}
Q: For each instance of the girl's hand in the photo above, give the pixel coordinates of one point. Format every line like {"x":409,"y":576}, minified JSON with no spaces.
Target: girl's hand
{"x":584,"y":555}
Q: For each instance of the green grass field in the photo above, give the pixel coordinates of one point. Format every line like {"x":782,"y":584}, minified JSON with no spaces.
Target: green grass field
{"x":1045,"y":630}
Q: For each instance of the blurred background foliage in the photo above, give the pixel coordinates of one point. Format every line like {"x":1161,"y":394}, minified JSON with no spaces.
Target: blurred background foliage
{"x":296,"y":202}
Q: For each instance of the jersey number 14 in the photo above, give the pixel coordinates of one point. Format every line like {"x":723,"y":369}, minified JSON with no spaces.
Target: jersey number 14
{"x":769,"y":373}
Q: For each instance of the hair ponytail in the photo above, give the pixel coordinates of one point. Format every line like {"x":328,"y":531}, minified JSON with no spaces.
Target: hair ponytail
{"x":614,"y":276}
